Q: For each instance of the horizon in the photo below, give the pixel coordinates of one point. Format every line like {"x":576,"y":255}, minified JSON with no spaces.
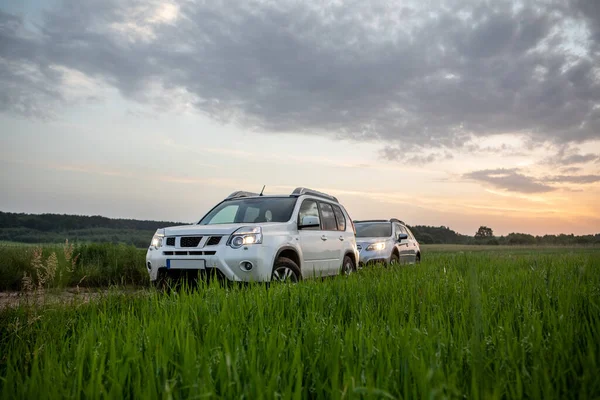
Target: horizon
{"x":461,"y":114}
{"x":194,"y":222}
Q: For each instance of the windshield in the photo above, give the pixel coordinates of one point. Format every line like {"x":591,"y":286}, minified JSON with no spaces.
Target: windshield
{"x":251,"y":210}
{"x":373,"y":229}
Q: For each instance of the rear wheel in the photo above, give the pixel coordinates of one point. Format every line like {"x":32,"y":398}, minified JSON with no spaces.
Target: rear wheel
{"x":348,"y":266}
{"x":418,"y":258}
{"x":285,"y":270}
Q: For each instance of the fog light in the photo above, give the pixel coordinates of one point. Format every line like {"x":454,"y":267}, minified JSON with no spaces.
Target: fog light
{"x":246,"y":266}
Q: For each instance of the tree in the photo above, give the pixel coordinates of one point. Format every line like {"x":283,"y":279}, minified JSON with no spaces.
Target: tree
{"x":484,"y":232}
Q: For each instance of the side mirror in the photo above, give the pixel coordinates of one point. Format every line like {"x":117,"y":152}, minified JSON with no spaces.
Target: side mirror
{"x":309,"y":221}
{"x":402,"y":236}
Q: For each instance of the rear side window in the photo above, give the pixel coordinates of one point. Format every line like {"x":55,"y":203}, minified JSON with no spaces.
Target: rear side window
{"x":339,"y":217}
{"x":328,"y":217}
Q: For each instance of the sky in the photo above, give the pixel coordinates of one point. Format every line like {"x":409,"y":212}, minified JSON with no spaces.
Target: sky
{"x":458,"y":113}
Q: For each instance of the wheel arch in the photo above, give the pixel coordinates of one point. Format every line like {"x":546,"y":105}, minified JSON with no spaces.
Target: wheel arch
{"x":291,"y":253}
{"x":352,"y":256}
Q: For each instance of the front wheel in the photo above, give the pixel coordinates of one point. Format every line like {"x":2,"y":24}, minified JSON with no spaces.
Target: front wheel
{"x":348,"y":266}
{"x":285,"y":270}
{"x":394,"y":260}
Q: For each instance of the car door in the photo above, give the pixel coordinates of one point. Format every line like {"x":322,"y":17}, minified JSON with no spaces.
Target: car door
{"x":314,"y":248}
{"x":412,"y":246}
{"x":331,"y":238}
{"x":402,"y":245}
{"x":346,"y":238}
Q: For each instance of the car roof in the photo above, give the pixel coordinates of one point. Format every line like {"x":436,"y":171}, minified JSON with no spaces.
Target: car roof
{"x":299,"y":191}
{"x":379,"y":220}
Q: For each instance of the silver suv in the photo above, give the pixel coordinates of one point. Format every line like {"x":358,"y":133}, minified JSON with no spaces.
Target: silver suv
{"x":250,"y":237}
{"x":387,"y":241}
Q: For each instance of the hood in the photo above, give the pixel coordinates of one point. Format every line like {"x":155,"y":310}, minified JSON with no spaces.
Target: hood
{"x":364,"y":242}
{"x":369,"y":240}
{"x":217,"y":229}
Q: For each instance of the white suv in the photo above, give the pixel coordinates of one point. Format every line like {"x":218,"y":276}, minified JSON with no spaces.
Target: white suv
{"x":250,"y":237}
{"x":387,"y":241}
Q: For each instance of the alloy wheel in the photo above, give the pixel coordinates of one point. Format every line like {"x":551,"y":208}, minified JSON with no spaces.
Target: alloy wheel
{"x":284,"y":274}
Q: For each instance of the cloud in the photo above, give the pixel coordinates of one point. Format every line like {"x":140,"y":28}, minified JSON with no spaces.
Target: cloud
{"x":581,"y":179}
{"x":566,"y":156}
{"x":570,"y":170}
{"x":509,"y":179}
{"x":418,"y":77}
{"x":396,"y":153}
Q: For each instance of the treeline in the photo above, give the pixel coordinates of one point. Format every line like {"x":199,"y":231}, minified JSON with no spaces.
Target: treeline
{"x":65,"y":222}
{"x":546,"y":240}
{"x":438,"y":235}
{"x":445,"y":235}
{"x":56,"y":228}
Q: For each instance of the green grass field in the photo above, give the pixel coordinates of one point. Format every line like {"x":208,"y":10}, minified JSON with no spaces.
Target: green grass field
{"x":477,"y":325}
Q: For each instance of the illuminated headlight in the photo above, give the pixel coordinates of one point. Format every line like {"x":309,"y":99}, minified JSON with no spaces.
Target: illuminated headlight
{"x":245,"y":236}
{"x":376,"y":246}
{"x":157,"y":239}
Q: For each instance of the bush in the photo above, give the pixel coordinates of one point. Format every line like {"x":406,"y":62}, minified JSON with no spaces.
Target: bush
{"x":95,"y":264}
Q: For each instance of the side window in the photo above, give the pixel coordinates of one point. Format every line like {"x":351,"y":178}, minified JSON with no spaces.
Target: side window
{"x":399,"y":230}
{"x":410,"y":234}
{"x":339,"y":217}
{"x":309,"y":208}
{"x":328,"y":222}
{"x":225,"y":216}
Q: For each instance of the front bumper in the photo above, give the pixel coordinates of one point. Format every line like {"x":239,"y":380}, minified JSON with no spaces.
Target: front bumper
{"x":374,"y":256}
{"x":226,"y":261}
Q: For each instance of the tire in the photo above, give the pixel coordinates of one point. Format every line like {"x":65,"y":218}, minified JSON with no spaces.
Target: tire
{"x":285,"y":271}
{"x":418,"y":259}
{"x":394,"y":259}
{"x":348,"y":267}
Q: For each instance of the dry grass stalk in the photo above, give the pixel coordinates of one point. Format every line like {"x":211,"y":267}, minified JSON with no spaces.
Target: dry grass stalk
{"x":68,"y":252}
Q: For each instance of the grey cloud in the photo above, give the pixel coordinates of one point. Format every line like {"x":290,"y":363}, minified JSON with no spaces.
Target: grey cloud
{"x":566,"y":156}
{"x":579,"y":159}
{"x":358,"y":71}
{"x":503,"y":149}
{"x":509,"y":179}
{"x":580,"y":179}
{"x":392,"y":153}
{"x":570,"y":170}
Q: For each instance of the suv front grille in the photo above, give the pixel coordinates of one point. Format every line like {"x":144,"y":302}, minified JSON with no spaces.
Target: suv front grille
{"x":189,"y":241}
{"x":170,"y":241}
{"x":213,"y":241}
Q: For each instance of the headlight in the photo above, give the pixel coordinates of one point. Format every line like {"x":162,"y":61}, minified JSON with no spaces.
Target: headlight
{"x":157,"y":239}
{"x":245,"y":236}
{"x":376,"y":246}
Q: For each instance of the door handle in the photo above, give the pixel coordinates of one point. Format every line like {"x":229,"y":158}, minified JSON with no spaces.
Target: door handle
{"x":323,"y":237}
{"x":342,"y":238}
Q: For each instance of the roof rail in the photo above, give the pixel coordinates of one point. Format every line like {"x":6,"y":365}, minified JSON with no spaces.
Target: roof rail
{"x":299,"y":191}
{"x":380,"y":220}
{"x":397,"y":220}
{"x":241,"y":193}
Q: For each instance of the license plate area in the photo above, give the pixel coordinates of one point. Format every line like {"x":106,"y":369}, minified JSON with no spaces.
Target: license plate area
{"x":186,"y":264}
